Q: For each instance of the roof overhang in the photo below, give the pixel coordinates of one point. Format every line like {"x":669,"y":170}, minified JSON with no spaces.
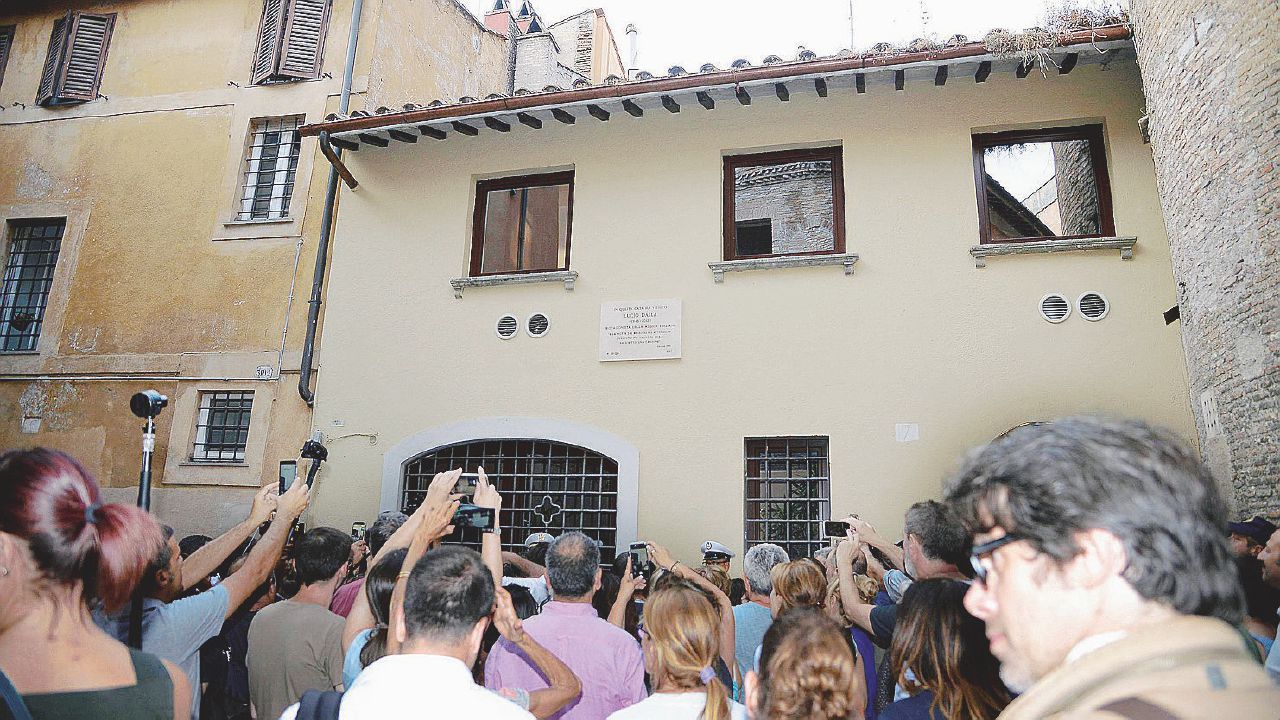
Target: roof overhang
{"x":704,"y":91}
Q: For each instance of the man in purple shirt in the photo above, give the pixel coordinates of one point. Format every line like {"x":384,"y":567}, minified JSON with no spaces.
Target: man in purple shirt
{"x":605,"y":658}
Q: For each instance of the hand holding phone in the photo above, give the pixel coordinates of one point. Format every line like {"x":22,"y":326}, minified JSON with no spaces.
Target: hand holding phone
{"x":288,"y":473}
{"x":640,"y":566}
{"x":474,"y":516}
{"x":836,"y":528}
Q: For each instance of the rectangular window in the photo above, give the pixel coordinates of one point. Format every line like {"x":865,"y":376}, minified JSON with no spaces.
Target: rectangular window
{"x":783,"y":203}
{"x":77,"y":54}
{"x":270,"y":164}
{"x":290,"y":40}
{"x":788,"y":493}
{"x":28,"y":275}
{"x":222,"y":427}
{"x":6,"y":47}
{"x":521,"y":224}
{"x":1038,"y":184}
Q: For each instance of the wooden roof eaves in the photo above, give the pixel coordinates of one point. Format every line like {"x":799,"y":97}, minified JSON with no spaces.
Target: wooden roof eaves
{"x":691,"y":83}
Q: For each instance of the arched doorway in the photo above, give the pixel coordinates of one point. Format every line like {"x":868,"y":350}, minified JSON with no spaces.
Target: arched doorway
{"x":546,"y":486}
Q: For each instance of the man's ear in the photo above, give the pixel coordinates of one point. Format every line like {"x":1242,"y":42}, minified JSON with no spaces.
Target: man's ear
{"x":1102,"y":557}
{"x":397,"y":621}
{"x":752,"y":690}
{"x":598,"y":581}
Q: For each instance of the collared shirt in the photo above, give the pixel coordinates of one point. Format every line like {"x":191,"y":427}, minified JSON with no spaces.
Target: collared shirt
{"x":605,"y":658}
{"x":750,"y":620}
{"x":416,"y":686}
{"x":1094,"y":642}
{"x":175,"y":631}
{"x":896,"y":583}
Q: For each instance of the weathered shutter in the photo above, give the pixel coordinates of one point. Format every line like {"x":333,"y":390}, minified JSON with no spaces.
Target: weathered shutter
{"x":53,"y":61}
{"x":303,"y":46}
{"x":6,"y":44}
{"x":267,"y":52}
{"x":86,"y":56}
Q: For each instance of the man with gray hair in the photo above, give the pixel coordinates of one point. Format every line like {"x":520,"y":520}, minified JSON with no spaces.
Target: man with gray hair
{"x":383,"y":528}
{"x":606,"y":659}
{"x":753,"y":618}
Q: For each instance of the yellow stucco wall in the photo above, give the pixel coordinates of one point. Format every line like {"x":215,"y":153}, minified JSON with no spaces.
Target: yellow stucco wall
{"x":917,"y":334}
{"x":153,"y":282}
{"x":432,"y":49}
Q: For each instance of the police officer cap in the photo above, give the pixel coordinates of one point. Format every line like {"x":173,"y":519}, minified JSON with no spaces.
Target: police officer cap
{"x":713,"y":551}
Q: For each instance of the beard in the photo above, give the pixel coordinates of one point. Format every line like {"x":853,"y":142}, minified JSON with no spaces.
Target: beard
{"x":1017,"y":680}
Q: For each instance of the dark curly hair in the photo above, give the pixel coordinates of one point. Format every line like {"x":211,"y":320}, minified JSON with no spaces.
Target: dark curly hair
{"x":808,"y":669}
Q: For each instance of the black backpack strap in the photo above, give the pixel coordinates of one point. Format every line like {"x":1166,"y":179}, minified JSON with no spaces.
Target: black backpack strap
{"x":319,"y":705}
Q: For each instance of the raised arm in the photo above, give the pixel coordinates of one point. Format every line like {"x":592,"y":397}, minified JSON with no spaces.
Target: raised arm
{"x":854,"y":609}
{"x":627,"y":588}
{"x":264,"y":556}
{"x":867,"y":533}
{"x":728,"y":631}
{"x":490,"y":542}
{"x":204,"y":561}
{"x":361,"y":616}
{"x":528,"y":567}
{"x":440,"y":504}
{"x":564,"y":685}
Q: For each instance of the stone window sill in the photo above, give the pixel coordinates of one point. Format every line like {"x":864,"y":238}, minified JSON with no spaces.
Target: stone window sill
{"x":568,"y":277}
{"x":718,"y":269}
{"x":980,"y":253}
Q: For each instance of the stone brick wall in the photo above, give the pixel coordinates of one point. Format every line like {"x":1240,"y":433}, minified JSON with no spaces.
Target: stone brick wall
{"x":796,"y":196}
{"x":1213,"y":96}
{"x":539,"y":63}
{"x":1077,"y":190}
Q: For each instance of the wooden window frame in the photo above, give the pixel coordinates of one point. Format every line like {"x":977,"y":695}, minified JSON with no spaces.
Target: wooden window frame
{"x":7,"y":35}
{"x":484,"y":187}
{"x":275,"y":71}
{"x":1092,"y":132}
{"x":59,"y":54}
{"x":832,"y":153}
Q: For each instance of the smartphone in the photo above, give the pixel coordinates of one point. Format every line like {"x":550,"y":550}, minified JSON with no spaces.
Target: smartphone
{"x":472,"y":516}
{"x":467,"y":483}
{"x":357,"y":531}
{"x":639,"y":559}
{"x":288,"y":473}
{"x":836,"y":528}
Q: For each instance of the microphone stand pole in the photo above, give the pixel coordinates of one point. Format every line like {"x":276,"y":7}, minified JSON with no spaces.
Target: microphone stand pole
{"x":144,"y":502}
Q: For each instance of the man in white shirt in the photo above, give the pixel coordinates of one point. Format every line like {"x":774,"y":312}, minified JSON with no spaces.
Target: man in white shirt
{"x":448,"y":599}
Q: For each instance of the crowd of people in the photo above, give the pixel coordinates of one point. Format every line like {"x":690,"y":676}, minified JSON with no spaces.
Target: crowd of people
{"x":1080,"y":568}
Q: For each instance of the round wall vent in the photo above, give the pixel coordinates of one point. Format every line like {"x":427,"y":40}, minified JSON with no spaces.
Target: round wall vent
{"x":1054,"y":308}
{"x":1093,"y":306}
{"x":507,"y":327}
{"x":538,"y":325}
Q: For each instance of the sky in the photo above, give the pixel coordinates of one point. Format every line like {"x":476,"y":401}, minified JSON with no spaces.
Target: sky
{"x":692,"y":32}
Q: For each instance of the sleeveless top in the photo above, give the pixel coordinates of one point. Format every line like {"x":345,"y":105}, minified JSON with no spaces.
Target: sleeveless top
{"x":150,"y":699}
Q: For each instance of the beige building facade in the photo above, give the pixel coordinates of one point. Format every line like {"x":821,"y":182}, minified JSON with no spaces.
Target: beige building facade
{"x":848,"y":379}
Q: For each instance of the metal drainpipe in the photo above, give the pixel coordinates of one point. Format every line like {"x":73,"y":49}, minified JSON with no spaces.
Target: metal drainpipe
{"x":326,"y":220}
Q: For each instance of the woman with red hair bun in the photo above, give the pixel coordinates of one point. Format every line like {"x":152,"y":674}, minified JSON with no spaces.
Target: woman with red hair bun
{"x":61,"y":550}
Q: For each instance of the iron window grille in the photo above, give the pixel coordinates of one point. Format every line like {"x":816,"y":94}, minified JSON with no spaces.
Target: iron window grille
{"x":222,"y":427}
{"x":788,"y":493}
{"x":28,"y":276}
{"x":546,"y":486}
{"x":270,"y":166}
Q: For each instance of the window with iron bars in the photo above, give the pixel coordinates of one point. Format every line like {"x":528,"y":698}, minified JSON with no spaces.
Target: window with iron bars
{"x":222,"y":427}
{"x":270,"y":165}
{"x":788,"y":493}
{"x":546,"y":486}
{"x":28,"y":276}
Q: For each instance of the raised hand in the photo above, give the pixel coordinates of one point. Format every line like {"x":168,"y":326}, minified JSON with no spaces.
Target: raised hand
{"x":486,"y":494}
{"x":294,"y":500}
{"x":661,"y":556}
{"x":264,"y":503}
{"x":505,"y":618}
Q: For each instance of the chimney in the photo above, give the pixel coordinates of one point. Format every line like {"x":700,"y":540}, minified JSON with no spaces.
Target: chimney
{"x":632,"y":34}
{"x":499,"y":18}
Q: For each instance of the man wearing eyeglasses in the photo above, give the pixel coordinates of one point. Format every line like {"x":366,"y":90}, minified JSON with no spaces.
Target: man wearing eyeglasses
{"x":1103,"y":575}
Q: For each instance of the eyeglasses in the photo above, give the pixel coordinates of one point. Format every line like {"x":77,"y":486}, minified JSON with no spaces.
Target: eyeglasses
{"x":984,"y":550}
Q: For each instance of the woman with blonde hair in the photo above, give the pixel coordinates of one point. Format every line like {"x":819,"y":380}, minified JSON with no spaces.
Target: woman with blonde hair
{"x":680,"y":637}
{"x":807,"y":670}
{"x":797,"y":583}
{"x":953,"y":675}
